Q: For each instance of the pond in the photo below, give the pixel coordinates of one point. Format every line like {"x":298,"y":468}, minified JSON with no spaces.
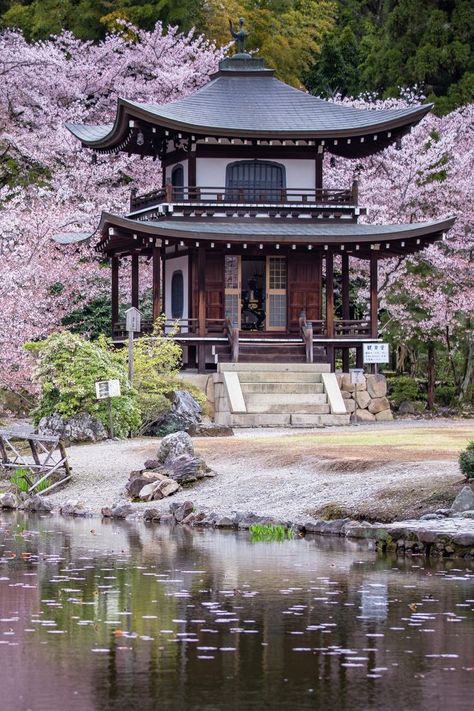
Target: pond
{"x":122,"y":615}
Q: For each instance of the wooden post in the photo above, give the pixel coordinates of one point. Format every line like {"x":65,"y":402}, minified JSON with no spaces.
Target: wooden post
{"x":318,"y":175}
{"x":346,"y":309}
{"x":374,"y":325}
{"x":201,"y":278}
{"x":431,"y":374}
{"x":115,"y":291}
{"x":192,"y":176}
{"x":329,"y":295}
{"x":135,"y":280}
{"x":156,"y":282}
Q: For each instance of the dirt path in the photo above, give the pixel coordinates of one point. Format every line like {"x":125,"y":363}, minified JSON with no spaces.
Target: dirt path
{"x":400,"y":470}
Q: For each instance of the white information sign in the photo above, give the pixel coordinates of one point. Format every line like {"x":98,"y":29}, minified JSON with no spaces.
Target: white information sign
{"x":357,"y":375}
{"x":133,"y":320}
{"x":107,"y":388}
{"x":376,"y":353}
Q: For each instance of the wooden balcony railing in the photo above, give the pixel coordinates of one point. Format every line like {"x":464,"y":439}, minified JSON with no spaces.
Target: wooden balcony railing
{"x":188,"y":327}
{"x":249,"y":195}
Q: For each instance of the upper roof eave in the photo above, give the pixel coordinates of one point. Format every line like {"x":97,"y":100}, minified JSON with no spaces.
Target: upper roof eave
{"x":111,"y":136}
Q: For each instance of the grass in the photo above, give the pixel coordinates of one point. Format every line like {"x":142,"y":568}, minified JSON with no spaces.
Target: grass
{"x":268,"y":532}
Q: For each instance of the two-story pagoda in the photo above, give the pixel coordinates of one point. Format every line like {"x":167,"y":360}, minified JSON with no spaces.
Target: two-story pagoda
{"x":242,"y":231}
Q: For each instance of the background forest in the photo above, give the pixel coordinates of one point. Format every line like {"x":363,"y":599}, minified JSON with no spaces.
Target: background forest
{"x":359,"y":51}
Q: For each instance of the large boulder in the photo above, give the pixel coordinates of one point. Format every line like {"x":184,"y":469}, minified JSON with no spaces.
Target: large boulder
{"x":384,"y":416}
{"x":174,"y":446}
{"x":184,"y":414}
{"x":38,"y":504}
{"x":347,"y":385}
{"x":362,"y":416}
{"x":74,"y":507}
{"x":210,"y":429}
{"x":464,"y":501}
{"x":378,"y":404}
{"x":121,"y":509}
{"x":362,"y":398}
{"x":350,"y":405}
{"x":159,"y":489}
{"x":376,"y":385}
{"x":78,"y":428}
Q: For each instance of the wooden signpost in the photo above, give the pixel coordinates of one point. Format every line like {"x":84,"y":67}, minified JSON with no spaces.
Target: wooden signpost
{"x":106,"y":390}
{"x":357,"y":376}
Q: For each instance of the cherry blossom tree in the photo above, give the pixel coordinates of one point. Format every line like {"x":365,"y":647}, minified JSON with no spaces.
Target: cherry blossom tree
{"x":48,"y":183}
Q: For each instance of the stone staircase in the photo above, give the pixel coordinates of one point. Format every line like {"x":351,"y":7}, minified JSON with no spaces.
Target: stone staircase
{"x":277,"y":395}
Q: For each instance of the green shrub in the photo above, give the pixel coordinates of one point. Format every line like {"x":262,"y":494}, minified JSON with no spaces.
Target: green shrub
{"x":466,"y":461}
{"x":20,"y":480}
{"x":403,"y":388}
{"x":445,"y":395}
{"x":67,"y":368}
{"x":269,"y":532}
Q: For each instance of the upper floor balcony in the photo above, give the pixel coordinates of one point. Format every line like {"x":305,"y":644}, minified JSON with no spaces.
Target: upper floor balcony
{"x":224,"y":197}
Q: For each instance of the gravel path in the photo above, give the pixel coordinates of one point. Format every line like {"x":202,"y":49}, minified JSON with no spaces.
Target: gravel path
{"x":249,"y":480}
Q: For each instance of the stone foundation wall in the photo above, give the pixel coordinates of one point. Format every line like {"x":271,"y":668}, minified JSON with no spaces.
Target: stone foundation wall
{"x":370,"y":403}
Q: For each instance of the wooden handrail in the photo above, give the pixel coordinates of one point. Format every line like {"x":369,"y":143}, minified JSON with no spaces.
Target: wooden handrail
{"x":249,"y":195}
{"x":233,"y":336}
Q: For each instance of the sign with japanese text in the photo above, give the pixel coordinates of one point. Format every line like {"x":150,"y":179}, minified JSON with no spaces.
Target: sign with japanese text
{"x":133,"y":320}
{"x":107,"y":388}
{"x":376,"y":353}
{"x":357,"y":376}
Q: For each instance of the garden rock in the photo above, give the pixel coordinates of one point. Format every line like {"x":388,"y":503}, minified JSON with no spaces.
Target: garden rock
{"x":406,"y":408}
{"x":186,"y":469}
{"x":350,"y":405}
{"x":362,"y":398}
{"x":138,"y":480}
{"x":184,"y":413}
{"x":78,"y":428}
{"x":152,"y":515}
{"x":118,"y":510}
{"x":8,"y":501}
{"x":379,"y":404}
{"x":174,"y":446}
{"x":210,"y":429}
{"x":464,"y":501}
{"x":362,"y":416}
{"x":74,"y":507}
{"x":384,"y":416}
{"x":159,"y":489}
{"x":225,"y":522}
{"x":38,"y":504}
{"x":376,"y":385}
{"x":182,"y":511}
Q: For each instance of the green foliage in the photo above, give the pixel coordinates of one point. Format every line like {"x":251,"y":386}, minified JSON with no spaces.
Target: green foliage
{"x":446,"y":395}
{"x":20,"y":480}
{"x":92,"y":319}
{"x":268,"y":532}
{"x":68,"y":366}
{"x":403,"y":388}
{"x":466,"y":461}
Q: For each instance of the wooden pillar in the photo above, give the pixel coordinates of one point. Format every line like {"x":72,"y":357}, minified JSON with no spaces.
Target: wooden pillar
{"x":192,"y":176}
{"x":329,"y":295}
{"x":201,"y":279}
{"x":135,"y":280}
{"x":374,"y":326}
{"x":156,"y":256}
{"x":115,"y":291}
{"x":346,"y":310}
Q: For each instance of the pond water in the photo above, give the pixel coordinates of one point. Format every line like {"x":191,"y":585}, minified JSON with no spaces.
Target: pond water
{"x":128,"y":616}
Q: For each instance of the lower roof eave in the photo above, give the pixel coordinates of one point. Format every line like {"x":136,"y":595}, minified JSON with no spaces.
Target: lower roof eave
{"x":115,"y":230}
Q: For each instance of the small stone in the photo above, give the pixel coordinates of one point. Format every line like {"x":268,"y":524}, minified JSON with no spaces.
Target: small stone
{"x":225,"y":522}
{"x":152,"y":515}
{"x":38,"y":504}
{"x":74,"y":507}
{"x":167,"y":518}
{"x":467,"y":514}
{"x":106,"y":512}
{"x":134,"y":486}
{"x":406,"y":408}
{"x":210,"y":429}
{"x":166,"y":488}
{"x":8,"y":501}
{"x":464,"y":501}
{"x":430,"y":517}
{"x":189,"y":520}
{"x":443,"y":512}
{"x":119,"y":510}
{"x":152,"y":464}
{"x":182,"y":511}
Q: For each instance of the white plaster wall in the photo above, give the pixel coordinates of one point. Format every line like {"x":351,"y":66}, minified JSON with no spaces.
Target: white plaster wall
{"x":172,"y":265}
{"x":169,"y":170}
{"x":300,"y":172}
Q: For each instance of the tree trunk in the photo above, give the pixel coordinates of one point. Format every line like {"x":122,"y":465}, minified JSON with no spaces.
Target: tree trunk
{"x":431,"y":374}
{"x":468,"y":370}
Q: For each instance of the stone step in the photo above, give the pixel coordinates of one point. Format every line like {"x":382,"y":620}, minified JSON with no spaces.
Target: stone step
{"x":281,"y":377}
{"x":252,"y":399}
{"x":301,"y":408}
{"x":312,"y":420}
{"x":259,"y":420}
{"x":283,"y":387}
{"x":277,"y":367}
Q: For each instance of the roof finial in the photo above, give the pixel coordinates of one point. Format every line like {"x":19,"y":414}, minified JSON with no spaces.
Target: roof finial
{"x":239,"y":36}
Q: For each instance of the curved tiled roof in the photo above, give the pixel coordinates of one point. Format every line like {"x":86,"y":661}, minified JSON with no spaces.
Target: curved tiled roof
{"x":250,"y":104}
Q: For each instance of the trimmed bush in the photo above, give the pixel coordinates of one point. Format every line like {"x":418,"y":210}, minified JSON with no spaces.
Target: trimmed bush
{"x":466,"y":461}
{"x":445,"y":395}
{"x":404,"y":388}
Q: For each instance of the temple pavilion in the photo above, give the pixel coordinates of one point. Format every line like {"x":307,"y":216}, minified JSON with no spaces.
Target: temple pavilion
{"x":242,"y":232}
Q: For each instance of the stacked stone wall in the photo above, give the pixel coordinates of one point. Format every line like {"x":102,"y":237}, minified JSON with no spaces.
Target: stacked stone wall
{"x":369,"y":403}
